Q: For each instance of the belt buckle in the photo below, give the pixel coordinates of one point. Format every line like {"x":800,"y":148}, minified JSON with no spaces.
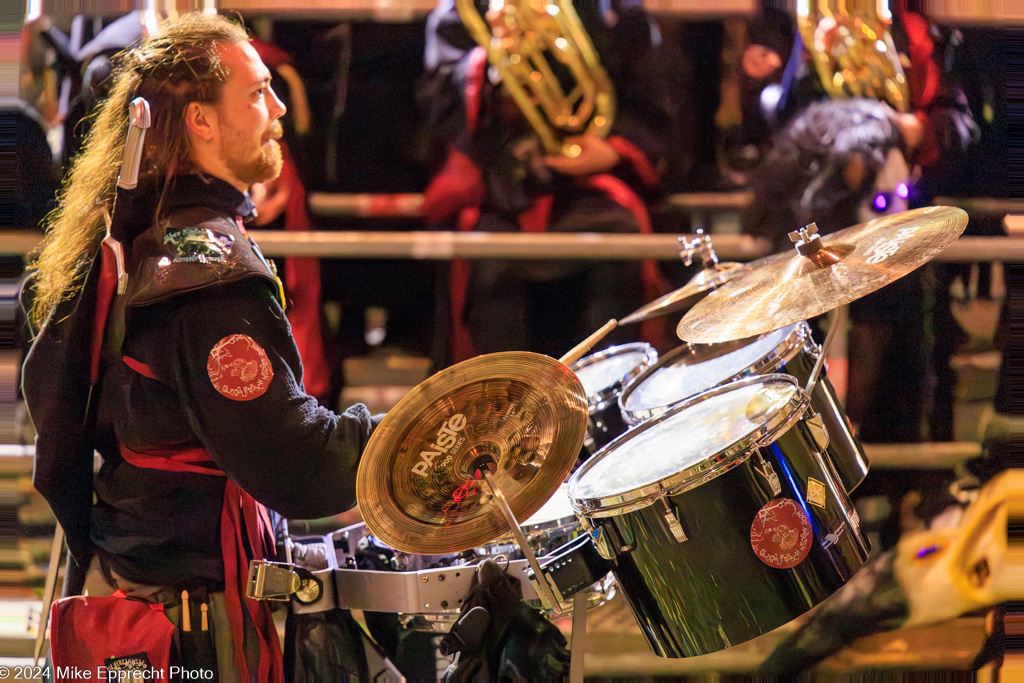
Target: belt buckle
{"x":278,"y":582}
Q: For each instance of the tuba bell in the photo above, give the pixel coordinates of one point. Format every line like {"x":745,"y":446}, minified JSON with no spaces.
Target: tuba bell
{"x":569,"y":96}
{"x":852,"y":49}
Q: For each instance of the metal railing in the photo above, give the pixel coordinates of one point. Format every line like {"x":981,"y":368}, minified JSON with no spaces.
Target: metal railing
{"x":446,"y":245}
{"x":17,"y":459}
{"x":410,"y":205}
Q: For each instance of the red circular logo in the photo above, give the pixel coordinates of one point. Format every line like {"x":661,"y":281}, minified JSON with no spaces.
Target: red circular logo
{"x":239,"y":368}
{"x":781,"y":534}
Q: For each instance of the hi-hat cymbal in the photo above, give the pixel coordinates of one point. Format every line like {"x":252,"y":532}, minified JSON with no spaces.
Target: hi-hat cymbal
{"x":785,"y":288}
{"x":416,"y":487}
{"x":687,"y":295}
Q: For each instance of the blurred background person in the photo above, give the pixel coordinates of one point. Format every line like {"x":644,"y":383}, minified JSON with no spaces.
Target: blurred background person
{"x":493,"y":175}
{"x":838,"y":162}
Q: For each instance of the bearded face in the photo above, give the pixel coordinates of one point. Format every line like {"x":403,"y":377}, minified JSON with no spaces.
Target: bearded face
{"x":250,"y":157}
{"x":243,"y":125}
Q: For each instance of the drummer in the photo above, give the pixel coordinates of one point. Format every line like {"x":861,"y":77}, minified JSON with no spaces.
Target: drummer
{"x":204,"y":408}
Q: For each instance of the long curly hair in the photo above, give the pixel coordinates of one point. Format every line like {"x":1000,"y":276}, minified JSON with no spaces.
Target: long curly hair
{"x":172,"y":68}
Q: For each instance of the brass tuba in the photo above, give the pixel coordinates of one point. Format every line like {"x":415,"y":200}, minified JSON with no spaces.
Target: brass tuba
{"x":537,"y":31}
{"x":852,"y":49}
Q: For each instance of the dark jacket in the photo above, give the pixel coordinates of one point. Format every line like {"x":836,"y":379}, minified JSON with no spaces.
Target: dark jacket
{"x":196,"y":284}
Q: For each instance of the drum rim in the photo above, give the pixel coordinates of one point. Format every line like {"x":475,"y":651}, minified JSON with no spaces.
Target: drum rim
{"x":604,"y":397}
{"x":699,"y":473}
{"x":799,"y":339}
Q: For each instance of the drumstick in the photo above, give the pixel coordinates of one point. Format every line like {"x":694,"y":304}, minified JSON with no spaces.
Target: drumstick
{"x":186,"y":619}
{"x":204,"y":608}
{"x":580,"y":349}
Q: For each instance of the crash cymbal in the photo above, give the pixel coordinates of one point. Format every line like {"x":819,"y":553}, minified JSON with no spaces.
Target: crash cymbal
{"x":841,"y":267}
{"x":416,"y":487}
{"x":687,"y":295}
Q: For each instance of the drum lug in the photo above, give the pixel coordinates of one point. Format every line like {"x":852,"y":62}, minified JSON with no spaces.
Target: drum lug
{"x":673,"y":523}
{"x":601,"y":542}
{"x":609,"y":542}
{"x":818,"y":431}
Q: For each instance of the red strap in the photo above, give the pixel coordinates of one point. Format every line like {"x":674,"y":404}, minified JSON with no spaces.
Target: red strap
{"x":474,"y":86}
{"x":106,"y":287}
{"x":622,"y":194}
{"x":924,"y":75}
{"x":302,"y":283}
{"x":240,"y":514}
{"x":139,"y":367}
{"x":461,"y":342}
{"x":536,"y":218}
{"x":636,"y":157}
{"x":159,"y":462}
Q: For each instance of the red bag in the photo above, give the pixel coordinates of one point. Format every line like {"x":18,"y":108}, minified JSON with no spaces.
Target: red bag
{"x":90,"y":634}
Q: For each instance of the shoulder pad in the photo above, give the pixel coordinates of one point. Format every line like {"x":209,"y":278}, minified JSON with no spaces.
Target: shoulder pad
{"x":189,"y":250}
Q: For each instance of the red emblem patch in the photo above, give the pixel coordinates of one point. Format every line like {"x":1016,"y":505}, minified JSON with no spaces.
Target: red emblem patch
{"x":239,"y":368}
{"x":781,"y":534}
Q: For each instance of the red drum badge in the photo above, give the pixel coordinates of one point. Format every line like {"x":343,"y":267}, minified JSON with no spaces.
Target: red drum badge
{"x":781,"y":534}
{"x":239,"y":368}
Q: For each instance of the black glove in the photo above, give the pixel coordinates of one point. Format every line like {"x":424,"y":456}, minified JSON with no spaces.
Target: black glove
{"x":500,"y":637}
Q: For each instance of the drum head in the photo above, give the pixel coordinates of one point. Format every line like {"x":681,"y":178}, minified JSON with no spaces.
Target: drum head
{"x":694,"y":368}
{"x":603,"y":374}
{"x":688,"y":444}
{"x":557,"y":508}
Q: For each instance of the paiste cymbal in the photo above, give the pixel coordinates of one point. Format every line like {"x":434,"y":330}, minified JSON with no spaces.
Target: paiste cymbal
{"x":789,"y":287}
{"x":687,"y":295}
{"x":416,"y":487}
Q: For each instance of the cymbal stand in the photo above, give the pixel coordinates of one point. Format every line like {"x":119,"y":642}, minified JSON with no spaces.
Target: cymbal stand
{"x":524,"y":545}
{"x":837,"y":322}
{"x":808,"y":243}
{"x":577,"y":645}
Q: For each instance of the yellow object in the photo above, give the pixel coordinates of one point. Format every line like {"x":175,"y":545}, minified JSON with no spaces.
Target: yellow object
{"x":852,"y":50}
{"x":947,"y":572}
{"x":528,"y":31}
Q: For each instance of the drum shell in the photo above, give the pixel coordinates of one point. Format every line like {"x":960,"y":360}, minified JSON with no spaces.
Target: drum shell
{"x":604,"y":418}
{"x":844,"y":449}
{"x":604,"y":424}
{"x":711,"y":591}
{"x":796,"y":359}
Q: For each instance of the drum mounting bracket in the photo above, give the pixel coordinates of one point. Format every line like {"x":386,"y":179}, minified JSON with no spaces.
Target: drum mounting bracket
{"x":278,"y":582}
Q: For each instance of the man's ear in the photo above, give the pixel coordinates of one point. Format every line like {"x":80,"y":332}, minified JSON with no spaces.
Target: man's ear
{"x":200,"y":120}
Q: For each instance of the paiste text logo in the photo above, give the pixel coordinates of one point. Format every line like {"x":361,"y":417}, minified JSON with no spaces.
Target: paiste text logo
{"x":447,"y":436}
{"x":886,"y":248}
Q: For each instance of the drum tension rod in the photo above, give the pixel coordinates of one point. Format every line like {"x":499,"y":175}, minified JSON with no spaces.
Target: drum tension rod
{"x":766,"y":470}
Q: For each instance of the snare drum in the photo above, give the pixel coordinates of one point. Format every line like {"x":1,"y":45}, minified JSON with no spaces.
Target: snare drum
{"x":734,"y":524}
{"x":548,"y":529}
{"x":692,"y":368}
{"x":603,"y":375}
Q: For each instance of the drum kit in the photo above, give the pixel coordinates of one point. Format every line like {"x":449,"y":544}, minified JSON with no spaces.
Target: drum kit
{"x":715,"y":484}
